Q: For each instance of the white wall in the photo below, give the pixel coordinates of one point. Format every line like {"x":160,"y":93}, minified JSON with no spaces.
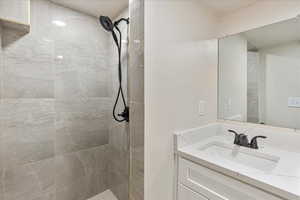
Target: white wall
{"x":259,"y":14}
{"x":233,"y":78}
{"x":281,"y":73}
{"x":288,"y":50}
{"x":180,"y":70}
{"x":282,"y":82}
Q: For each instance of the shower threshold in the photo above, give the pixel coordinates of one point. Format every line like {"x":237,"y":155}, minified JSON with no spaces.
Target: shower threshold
{"x":106,"y":195}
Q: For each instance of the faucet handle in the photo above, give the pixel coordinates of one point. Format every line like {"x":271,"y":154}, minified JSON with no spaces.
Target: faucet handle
{"x":253,"y":143}
{"x":236,"y":136}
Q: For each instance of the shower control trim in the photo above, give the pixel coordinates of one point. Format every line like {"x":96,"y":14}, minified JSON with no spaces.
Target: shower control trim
{"x":125,"y":114}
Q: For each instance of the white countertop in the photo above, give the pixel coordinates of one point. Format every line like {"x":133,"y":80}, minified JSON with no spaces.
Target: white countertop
{"x":283,"y":180}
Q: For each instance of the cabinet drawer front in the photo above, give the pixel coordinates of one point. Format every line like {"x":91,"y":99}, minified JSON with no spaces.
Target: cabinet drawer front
{"x":185,"y":193}
{"x":216,"y":186}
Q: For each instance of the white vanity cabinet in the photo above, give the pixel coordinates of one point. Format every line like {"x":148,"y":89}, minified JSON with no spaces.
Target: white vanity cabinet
{"x":196,"y":182}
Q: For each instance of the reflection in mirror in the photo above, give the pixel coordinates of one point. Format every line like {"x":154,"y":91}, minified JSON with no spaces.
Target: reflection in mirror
{"x":259,"y":75}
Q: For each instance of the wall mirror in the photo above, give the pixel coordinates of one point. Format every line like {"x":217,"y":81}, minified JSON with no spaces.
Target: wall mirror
{"x":259,"y":75}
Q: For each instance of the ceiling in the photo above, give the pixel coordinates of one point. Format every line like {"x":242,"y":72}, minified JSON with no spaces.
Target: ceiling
{"x":96,"y":8}
{"x":274,"y":34}
{"x":113,"y":7}
{"x":223,"y":7}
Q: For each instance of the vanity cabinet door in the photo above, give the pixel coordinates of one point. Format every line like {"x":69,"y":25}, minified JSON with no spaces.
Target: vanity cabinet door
{"x":186,"y":194}
{"x":216,"y":186}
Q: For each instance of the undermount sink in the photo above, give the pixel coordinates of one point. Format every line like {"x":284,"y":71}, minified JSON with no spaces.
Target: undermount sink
{"x":240,"y":155}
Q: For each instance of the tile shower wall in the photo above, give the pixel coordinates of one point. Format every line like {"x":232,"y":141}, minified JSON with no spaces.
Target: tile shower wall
{"x":118,"y":172}
{"x":55,"y":107}
{"x":1,"y":160}
{"x":252,"y":87}
{"x":136,"y":96}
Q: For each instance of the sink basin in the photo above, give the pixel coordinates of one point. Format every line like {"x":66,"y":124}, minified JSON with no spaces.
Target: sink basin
{"x":240,"y":155}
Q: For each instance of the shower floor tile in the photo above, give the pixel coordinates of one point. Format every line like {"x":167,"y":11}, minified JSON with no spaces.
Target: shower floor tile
{"x":107,"y":195}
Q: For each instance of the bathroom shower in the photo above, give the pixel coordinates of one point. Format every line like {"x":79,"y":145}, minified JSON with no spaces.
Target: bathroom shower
{"x":64,"y":104}
{"x":110,"y":26}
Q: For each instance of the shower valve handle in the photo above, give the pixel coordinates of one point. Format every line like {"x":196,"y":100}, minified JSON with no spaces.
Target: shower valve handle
{"x":125,"y":114}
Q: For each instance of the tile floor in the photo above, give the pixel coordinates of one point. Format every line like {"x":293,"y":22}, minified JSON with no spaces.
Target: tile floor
{"x":107,"y":195}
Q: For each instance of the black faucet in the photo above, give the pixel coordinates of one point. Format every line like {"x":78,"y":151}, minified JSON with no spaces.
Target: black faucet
{"x":242,"y":140}
{"x":253,"y":143}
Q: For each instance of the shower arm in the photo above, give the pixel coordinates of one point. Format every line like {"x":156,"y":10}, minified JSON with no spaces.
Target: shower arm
{"x":120,"y":20}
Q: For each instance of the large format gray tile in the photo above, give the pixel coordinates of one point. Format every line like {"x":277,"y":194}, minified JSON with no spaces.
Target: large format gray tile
{"x":41,"y":15}
{"x":82,"y":84}
{"x":137,"y":136}
{"x":95,"y":83}
{"x":1,"y":62}
{"x":30,"y":47}
{"x":73,"y":56}
{"x":137,"y":187}
{"x":27,"y":79}
{"x":79,"y":62}
{"x":81,"y":43}
{"x":27,"y":59}
{"x":20,"y":183}
{"x":82,"y":189}
{"x":28,"y":144}
{"x":78,"y":138}
{"x":1,"y":143}
{"x":28,"y":130}
{"x":1,"y":187}
{"x":67,"y":85}
{"x":136,"y":94}
{"x":28,"y":68}
{"x":45,"y":172}
{"x":118,"y":153}
{"x":119,"y":185}
{"x":46,"y":196}
{"x":78,"y":26}
{"x":119,"y":149}
{"x":96,"y":183}
{"x":84,"y":174}
{"x":73,"y":191}
{"x":57,"y":87}
{"x":81,"y":124}
{"x":137,"y":162}
{"x":136,"y":84}
{"x":1,"y":152}
{"x":69,"y":169}
{"x":137,"y":114}
{"x":94,"y":160}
